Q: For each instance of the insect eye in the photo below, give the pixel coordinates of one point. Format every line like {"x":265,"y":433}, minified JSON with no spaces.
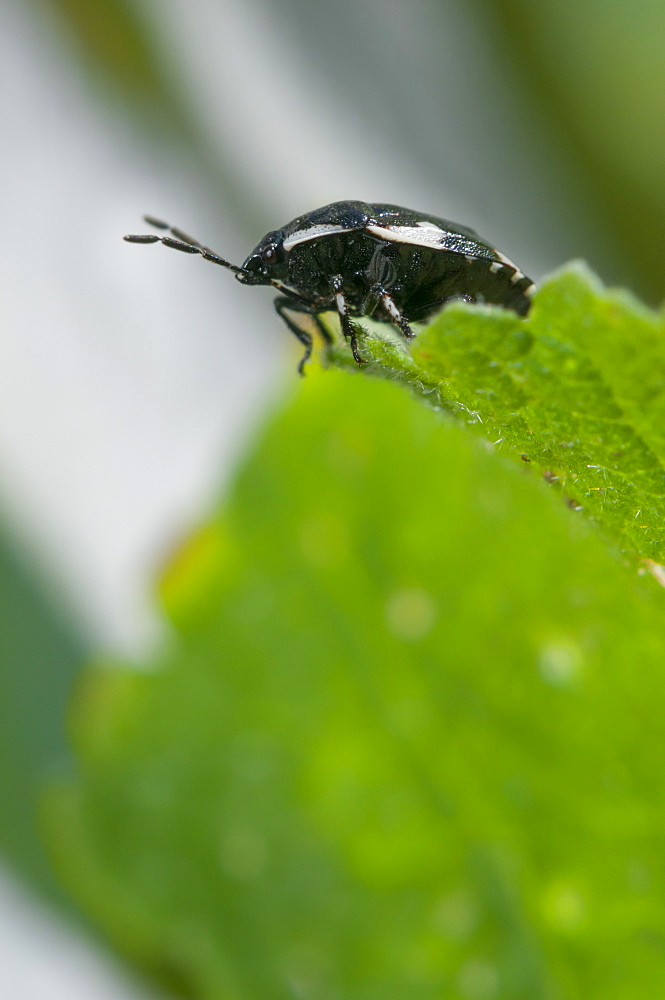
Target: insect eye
{"x":269,"y":253}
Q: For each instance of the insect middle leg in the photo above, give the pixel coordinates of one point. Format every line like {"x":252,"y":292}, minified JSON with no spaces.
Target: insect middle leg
{"x":283,"y":306}
{"x":348,"y":329}
{"x":378,"y":295}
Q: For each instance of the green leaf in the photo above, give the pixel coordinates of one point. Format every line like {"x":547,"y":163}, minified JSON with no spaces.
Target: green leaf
{"x":113,"y":38}
{"x":40,"y":653}
{"x":577,"y":389}
{"x":614,"y":163}
{"x":407,"y":740}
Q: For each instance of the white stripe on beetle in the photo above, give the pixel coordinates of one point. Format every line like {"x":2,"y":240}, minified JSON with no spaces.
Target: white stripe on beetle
{"x":421,"y":236}
{"x":313,"y":233}
{"x":505,"y":260}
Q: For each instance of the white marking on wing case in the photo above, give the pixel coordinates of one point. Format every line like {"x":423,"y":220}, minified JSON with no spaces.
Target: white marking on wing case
{"x":313,"y":233}
{"x":505,"y":260}
{"x":421,"y":236}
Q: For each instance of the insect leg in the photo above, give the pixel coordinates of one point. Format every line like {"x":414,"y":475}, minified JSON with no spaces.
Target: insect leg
{"x":284,"y":305}
{"x":348,"y":329}
{"x":390,"y":307}
{"x":300,"y":306}
{"x":320,"y":325}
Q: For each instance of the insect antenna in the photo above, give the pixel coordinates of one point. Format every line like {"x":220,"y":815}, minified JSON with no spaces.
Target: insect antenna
{"x":181,"y":241}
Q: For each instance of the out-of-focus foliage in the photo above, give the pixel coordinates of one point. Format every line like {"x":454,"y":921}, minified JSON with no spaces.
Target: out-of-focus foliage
{"x":406,"y":743}
{"x":577,"y":389}
{"x":39,"y":655}
{"x":597,"y":74}
{"x":114,"y":42}
{"x":119,"y":47}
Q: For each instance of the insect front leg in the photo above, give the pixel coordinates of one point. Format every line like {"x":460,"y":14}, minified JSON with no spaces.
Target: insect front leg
{"x":348,"y":329}
{"x":283,"y":306}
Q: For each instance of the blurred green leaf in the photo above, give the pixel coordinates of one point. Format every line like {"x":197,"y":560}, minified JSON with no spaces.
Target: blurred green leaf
{"x":115,"y":42}
{"x":577,"y":389}
{"x":39,"y":655}
{"x":596,"y":75}
{"x":407,"y":743}
{"x":120,"y":45}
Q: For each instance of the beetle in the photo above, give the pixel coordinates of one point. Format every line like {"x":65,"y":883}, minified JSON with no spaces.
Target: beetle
{"x":358,"y":259}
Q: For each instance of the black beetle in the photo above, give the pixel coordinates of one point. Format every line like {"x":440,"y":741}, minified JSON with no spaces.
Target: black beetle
{"x":357,"y":259}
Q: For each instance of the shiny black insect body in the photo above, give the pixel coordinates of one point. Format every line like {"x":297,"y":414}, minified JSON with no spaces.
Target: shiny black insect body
{"x":357,"y":259}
